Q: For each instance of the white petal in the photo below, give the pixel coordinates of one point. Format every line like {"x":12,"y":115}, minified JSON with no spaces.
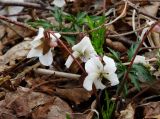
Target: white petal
{"x":46,"y":59}
{"x":35,"y":53}
{"x":93,"y":65}
{"x":59,"y":3}
{"x":14,"y":10}
{"x":3,"y":11}
{"x":53,"y":38}
{"x":88,"y":82}
{"x":82,"y":45}
{"x":70,"y":59}
{"x":99,"y":84}
{"x":139,"y":59}
{"x":113,"y":78}
{"x":110,"y":65}
{"x":37,"y":40}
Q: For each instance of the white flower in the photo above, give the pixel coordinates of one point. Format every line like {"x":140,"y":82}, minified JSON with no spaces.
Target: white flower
{"x":83,"y":50}
{"x":140,"y":59}
{"x":11,"y":10}
{"x":59,"y":3}
{"x":42,"y":49}
{"x":96,"y":72}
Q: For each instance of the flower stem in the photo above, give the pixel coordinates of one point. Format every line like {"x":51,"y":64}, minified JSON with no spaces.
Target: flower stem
{"x":65,"y":47}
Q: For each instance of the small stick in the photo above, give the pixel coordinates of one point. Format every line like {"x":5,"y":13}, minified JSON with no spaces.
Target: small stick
{"x":25,"y":4}
{"x":57,"y":73}
{"x":17,"y":23}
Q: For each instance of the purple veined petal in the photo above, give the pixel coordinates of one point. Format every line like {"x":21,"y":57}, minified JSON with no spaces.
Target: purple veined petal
{"x":88,"y":82}
{"x":99,"y":84}
{"x":46,"y":59}
{"x":113,"y":78}
{"x":93,"y":65}
{"x":70,"y":59}
{"x":110,"y":65}
{"x":35,"y":53}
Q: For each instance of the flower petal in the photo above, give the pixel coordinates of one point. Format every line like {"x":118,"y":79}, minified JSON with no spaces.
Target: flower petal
{"x":139,"y":59}
{"x":35,"y":53}
{"x":99,"y":84}
{"x":82,"y":45}
{"x":46,"y":59}
{"x":37,"y":40}
{"x":88,"y":82}
{"x":113,"y":78}
{"x":70,"y":59}
{"x":93,"y":65}
{"x":59,"y":3}
{"x":14,"y":10}
{"x":53,"y":39}
{"x":110,"y":65}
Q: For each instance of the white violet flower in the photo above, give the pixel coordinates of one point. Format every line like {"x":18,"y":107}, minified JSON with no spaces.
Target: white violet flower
{"x":83,"y":50}
{"x":59,"y":3}
{"x":96,"y":72}
{"x":11,"y":10}
{"x":42,"y":49}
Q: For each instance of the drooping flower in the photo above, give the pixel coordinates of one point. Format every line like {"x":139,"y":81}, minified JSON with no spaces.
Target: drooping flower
{"x":59,"y":3}
{"x":11,"y":10}
{"x":42,"y":48}
{"x":97,"y":71}
{"x":83,"y":50}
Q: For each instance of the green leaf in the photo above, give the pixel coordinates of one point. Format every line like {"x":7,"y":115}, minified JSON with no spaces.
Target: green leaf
{"x":115,"y":55}
{"x":45,"y":24}
{"x":70,"y":39}
{"x":132,"y":50}
{"x":142,"y":72}
{"x":57,"y":13}
{"x":134,"y":80}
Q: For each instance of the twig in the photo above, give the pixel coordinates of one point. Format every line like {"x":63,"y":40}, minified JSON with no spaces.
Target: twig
{"x":17,"y":23}
{"x":57,"y":73}
{"x":145,"y":48}
{"x":25,"y":4}
{"x":127,"y":33}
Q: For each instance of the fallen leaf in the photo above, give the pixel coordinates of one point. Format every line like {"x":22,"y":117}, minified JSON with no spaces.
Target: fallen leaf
{"x":128,"y":113}
{"x":17,"y":52}
{"x":76,"y":95}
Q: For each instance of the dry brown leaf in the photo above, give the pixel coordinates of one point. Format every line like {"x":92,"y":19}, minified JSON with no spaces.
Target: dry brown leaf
{"x":76,"y":95}
{"x":55,"y":109}
{"x":15,"y":32}
{"x":118,"y":46}
{"x":151,"y":109}
{"x":17,"y":52}
{"x":22,"y":102}
{"x":151,"y":9}
{"x":128,"y":113}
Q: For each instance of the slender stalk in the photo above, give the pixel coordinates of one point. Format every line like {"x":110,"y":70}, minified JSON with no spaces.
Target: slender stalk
{"x":64,"y":46}
{"x":17,"y":23}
